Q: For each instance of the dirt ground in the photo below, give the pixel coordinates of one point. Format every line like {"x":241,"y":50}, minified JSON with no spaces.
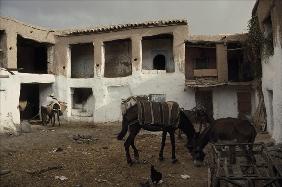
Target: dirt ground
{"x":99,"y":161}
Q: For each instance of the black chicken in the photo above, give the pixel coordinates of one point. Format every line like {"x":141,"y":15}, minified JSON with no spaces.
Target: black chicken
{"x":155,"y":175}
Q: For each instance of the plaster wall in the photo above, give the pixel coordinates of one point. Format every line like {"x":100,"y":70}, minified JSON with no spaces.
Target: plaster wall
{"x":10,"y":94}
{"x":14,"y":28}
{"x":108,"y":92}
{"x":221,"y":60}
{"x":272,"y":81}
{"x":154,"y":47}
{"x":225,"y":103}
{"x":9,"y":99}
{"x":179,"y":32}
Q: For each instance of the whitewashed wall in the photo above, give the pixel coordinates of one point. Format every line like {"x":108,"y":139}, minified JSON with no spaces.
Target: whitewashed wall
{"x":108,"y":92}
{"x":225,"y":103}
{"x":10,"y":94}
{"x":272,"y":80}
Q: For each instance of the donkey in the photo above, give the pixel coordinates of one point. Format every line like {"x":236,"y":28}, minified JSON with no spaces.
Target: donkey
{"x":163,"y":116}
{"x":49,"y":114}
{"x":197,"y":115}
{"x":223,"y":130}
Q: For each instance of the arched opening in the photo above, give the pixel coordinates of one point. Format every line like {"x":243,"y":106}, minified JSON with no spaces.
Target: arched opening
{"x":159,"y":62}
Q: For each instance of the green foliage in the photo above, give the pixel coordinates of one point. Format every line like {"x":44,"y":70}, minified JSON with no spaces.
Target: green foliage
{"x":257,"y":45}
{"x":254,"y":45}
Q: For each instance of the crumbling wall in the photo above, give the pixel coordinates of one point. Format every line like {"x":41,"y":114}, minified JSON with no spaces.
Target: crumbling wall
{"x":109,"y":91}
{"x":13,"y":28}
{"x":272,"y":82}
{"x":118,"y":58}
{"x":272,"y":66}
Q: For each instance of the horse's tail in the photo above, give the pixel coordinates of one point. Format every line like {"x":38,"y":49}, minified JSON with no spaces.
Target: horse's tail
{"x":123,"y":130}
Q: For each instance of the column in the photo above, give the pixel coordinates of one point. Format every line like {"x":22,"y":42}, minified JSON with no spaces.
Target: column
{"x":11,"y":49}
{"x":136,"y":46}
{"x":221,"y":62}
{"x":99,"y":58}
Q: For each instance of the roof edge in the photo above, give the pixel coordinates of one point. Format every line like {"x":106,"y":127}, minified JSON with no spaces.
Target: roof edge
{"x":25,"y":24}
{"x":118,"y":27}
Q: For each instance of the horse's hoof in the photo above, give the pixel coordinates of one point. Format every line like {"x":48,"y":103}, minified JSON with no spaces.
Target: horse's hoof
{"x":129,"y":162}
{"x":174,"y":161}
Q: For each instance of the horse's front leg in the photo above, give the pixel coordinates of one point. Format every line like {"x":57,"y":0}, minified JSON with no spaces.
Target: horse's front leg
{"x":53,"y":118}
{"x":136,"y":153}
{"x":134,"y":132}
{"x":43,"y":117}
{"x":127,"y":144}
{"x":58,"y":118}
{"x":172,"y":140}
{"x":161,"y":154}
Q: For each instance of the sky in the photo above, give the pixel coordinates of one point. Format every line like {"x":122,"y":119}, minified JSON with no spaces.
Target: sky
{"x":204,"y":16}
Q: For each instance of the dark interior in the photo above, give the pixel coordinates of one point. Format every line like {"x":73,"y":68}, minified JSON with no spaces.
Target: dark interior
{"x":80,"y":95}
{"x":159,"y":62}
{"x":30,"y":93}
{"x":31,"y":56}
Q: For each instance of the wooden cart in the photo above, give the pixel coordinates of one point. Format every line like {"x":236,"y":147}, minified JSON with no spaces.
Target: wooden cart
{"x":242,"y":165}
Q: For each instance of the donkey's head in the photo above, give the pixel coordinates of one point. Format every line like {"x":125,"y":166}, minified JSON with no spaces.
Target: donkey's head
{"x":198,"y":155}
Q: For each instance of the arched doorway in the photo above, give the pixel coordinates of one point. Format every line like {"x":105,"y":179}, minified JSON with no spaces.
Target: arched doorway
{"x":159,"y":62}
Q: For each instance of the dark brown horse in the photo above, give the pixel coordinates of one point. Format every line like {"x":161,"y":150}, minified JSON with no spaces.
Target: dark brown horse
{"x":223,"y":130}
{"x":131,"y":121}
{"x":199,"y":117}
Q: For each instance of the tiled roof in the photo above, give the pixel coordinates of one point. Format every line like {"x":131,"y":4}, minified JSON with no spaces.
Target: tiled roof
{"x":217,"y":38}
{"x":25,"y":24}
{"x":110,"y":28}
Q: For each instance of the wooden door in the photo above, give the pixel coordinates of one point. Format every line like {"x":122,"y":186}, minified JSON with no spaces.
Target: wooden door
{"x":244,"y":104}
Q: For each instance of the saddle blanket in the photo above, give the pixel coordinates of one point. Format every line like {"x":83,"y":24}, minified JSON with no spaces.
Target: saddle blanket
{"x":131,"y":101}
{"x":158,"y":113}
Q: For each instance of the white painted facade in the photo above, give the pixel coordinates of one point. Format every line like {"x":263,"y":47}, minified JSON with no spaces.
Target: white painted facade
{"x":108,"y":92}
{"x":10,"y":93}
{"x":104,"y":104}
{"x":272,"y":90}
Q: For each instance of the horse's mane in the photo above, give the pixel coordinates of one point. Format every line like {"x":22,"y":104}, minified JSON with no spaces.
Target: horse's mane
{"x":203,"y":137}
{"x":189,"y":128}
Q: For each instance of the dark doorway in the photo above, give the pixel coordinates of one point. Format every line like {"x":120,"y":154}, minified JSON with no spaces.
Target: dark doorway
{"x":30,"y":93}
{"x":204,"y":99}
{"x":235,"y":60}
{"x":159,"y":62}
{"x":244,"y":104}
